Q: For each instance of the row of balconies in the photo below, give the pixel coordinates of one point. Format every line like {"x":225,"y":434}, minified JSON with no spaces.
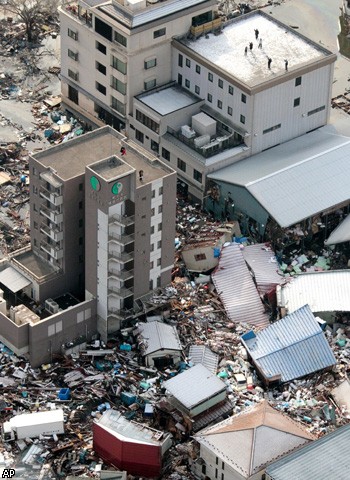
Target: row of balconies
{"x":55,"y":251}
{"x":53,"y":197}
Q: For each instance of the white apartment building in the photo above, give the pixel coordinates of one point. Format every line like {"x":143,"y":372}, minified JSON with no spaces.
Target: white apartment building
{"x":180,"y":82}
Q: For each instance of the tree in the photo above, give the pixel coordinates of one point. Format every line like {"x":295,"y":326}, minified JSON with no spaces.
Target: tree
{"x":33,"y":13}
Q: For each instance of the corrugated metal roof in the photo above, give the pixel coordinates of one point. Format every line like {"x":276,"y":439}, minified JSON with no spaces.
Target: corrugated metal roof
{"x":13,"y":280}
{"x":203,"y":355}
{"x":152,"y":13}
{"x":237,"y":290}
{"x":254,"y":438}
{"x":324,"y":459}
{"x":292,"y":347}
{"x":158,"y":336}
{"x":320,"y":155}
{"x":322,"y":291}
{"x":261,"y":259}
{"x":341,"y":234}
{"x":194,"y":386}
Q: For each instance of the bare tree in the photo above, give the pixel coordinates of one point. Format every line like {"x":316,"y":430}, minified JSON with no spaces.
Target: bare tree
{"x":33,"y":13}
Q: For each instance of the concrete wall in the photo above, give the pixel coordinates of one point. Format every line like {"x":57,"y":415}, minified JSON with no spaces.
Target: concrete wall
{"x":15,"y":337}
{"x":47,"y":337}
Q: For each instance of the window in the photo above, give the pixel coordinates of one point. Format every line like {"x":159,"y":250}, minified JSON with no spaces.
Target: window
{"x":223,"y":465}
{"x":159,"y":281}
{"x":152,"y":230}
{"x":159,"y":33}
{"x":72,"y":34}
{"x":229,"y":111}
{"x":35,"y":225}
{"x":80,"y":204}
{"x":316,"y":110}
{"x":197,"y":90}
{"x":148,"y":84}
{"x":160,"y":226}
{"x":271,"y":129}
{"x":230,"y":89}
{"x":159,"y":262}
{"x":139,"y":136}
{"x":219,"y":104}
{"x":152,"y":247}
{"x":210,"y":97}
{"x":242,"y":119}
{"x":181,"y":165}
{"x":147,"y":121}
{"x":117,"y":105}
{"x":198,"y":69}
{"x":150,"y":63}
{"x":151,"y":265}
{"x":210,"y":77}
{"x":298,"y":81}
{"x":101,"y":68}
{"x":187,"y":83}
{"x":153,"y":194}
{"x":188,"y":63}
{"x":153,"y":212}
{"x":216,"y":473}
{"x":73,"y":55}
{"x":197,"y":175}
{"x":80,"y":187}
{"x":101,"y":88}
{"x":35,"y":190}
{"x":165,"y":154}
{"x":80,"y":240}
{"x":244,"y":98}
{"x":35,"y":207}
{"x":217,"y":461}
{"x":159,"y":244}
{"x":160,"y":192}
{"x":73,"y":75}
{"x":118,"y":65}
{"x":220,"y":83}
{"x":222,"y":476}
{"x":119,"y":38}
{"x":80,"y":223}
{"x":101,"y":48}
{"x":73,"y":94}
{"x":204,"y":469}
{"x":103,"y":29}
{"x":154,"y":146}
{"x":151,"y":284}
{"x":118,"y":85}
{"x":297,"y":102}
{"x":180,"y":60}
{"x":160,"y":208}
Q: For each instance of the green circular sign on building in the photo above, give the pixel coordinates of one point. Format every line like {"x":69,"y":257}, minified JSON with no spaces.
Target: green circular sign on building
{"x":95,"y":183}
{"x":117,"y":188}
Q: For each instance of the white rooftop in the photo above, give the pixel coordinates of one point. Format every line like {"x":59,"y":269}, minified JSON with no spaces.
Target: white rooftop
{"x":119,"y":426}
{"x":194,"y":386}
{"x":36,"y":418}
{"x":279,"y":42}
{"x":168,"y":100}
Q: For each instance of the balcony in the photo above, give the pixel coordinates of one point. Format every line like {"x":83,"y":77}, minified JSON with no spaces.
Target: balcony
{"x":207,"y":27}
{"x":120,"y":256}
{"x":76,"y":11}
{"x":123,"y":220}
{"x":53,"y":233}
{"x":121,"y":292}
{"x":121,"y":239}
{"x":54,"y":251}
{"x":120,"y":274}
{"x":53,"y":197}
{"x":52,"y":215}
{"x":206,"y":145}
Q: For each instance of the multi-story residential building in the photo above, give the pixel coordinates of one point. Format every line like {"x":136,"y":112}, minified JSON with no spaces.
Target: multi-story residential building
{"x":100,"y":205}
{"x":112,"y":51}
{"x":200,"y":93}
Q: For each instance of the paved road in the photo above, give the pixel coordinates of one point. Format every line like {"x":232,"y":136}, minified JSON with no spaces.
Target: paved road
{"x":318,"y":20}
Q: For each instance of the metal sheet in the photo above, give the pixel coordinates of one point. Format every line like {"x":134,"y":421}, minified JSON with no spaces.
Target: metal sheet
{"x":13,"y":280}
{"x":341,"y":234}
{"x":292,"y":347}
{"x":159,"y":336}
{"x":323,"y":459}
{"x":322,"y":291}
{"x":237,"y":290}
{"x":203,"y":355}
{"x":261,"y":259}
